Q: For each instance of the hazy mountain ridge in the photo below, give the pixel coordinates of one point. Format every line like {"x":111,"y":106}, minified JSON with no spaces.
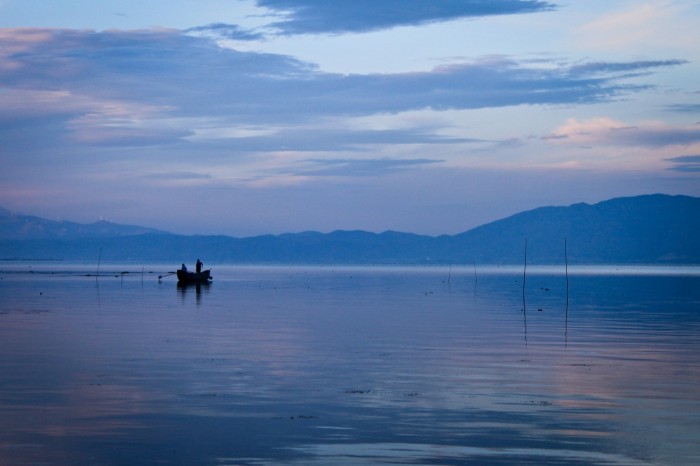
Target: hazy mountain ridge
{"x":643,"y":229}
{"x":652,"y":229}
{"x":14,"y":226}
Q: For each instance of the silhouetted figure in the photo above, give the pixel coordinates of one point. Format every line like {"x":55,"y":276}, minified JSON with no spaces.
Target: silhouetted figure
{"x":199,"y":266}
{"x":184,"y":268}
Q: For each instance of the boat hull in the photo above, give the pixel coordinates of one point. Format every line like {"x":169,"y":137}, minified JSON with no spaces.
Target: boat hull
{"x":192,"y":277}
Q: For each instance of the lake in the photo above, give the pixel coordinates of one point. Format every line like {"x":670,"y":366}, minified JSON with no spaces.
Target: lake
{"x":349,"y":365}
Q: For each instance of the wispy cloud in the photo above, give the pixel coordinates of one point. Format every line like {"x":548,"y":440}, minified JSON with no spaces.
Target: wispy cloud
{"x":685,"y":163}
{"x":360,"y":167}
{"x":326,"y":139}
{"x":642,"y":24}
{"x":176,"y":179}
{"x":684,"y":108}
{"x":341,"y":16}
{"x":624,"y":69}
{"x":607,"y":131}
{"x":226,"y":31}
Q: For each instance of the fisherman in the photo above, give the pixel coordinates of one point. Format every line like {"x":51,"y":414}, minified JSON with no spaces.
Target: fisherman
{"x":184,"y":268}
{"x":199,"y":266}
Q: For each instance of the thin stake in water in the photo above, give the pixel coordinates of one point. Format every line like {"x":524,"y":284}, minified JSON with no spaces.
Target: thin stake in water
{"x":524,"y":271}
{"x":524,"y":305}
{"x":99,"y":257}
{"x":566,"y":269}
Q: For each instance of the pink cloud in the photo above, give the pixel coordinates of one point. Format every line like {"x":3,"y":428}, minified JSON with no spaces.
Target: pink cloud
{"x":610,"y":132}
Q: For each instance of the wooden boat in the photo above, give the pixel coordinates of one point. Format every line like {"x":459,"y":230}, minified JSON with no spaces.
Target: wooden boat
{"x":187,"y":278}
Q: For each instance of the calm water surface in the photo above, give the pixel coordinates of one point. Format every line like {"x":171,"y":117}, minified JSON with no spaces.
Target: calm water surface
{"x":349,"y":365}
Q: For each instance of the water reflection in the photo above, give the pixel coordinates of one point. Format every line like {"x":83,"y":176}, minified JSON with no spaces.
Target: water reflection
{"x":347,"y":365}
{"x":184,"y":289}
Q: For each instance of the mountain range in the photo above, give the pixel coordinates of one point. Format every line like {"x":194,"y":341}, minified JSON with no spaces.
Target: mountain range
{"x":15,"y":226}
{"x":648,"y":229}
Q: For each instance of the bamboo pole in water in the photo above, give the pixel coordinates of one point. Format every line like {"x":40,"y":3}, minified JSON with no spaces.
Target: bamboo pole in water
{"x":566,"y":270}
{"x":524,"y":271}
{"x":99,"y":257}
{"x":524,"y":305}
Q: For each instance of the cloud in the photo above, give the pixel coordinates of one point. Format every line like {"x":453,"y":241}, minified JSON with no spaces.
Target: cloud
{"x":684,"y":108}
{"x":607,"y":131}
{"x":176,"y":178}
{"x":179,"y":97}
{"x":361,"y":167}
{"x":622,"y":28}
{"x":316,"y":139}
{"x":624,"y":69}
{"x":685,"y":163}
{"x":341,"y":16}
{"x":226,"y":31}
{"x":124,"y":134}
{"x":642,"y":25}
{"x":192,"y":76}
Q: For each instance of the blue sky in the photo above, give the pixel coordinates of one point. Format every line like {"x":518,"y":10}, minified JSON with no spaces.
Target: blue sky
{"x":246,"y":117}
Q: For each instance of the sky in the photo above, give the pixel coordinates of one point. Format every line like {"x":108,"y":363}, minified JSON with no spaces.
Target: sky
{"x":248,"y":117}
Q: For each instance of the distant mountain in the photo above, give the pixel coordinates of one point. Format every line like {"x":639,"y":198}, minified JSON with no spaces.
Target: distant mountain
{"x":19,"y":227}
{"x":651,"y":229}
{"x":643,"y":229}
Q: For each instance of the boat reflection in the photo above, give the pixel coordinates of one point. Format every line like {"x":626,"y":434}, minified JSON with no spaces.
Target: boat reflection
{"x":184,"y":288}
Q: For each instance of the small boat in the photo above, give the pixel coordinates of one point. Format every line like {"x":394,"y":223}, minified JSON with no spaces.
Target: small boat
{"x":186,"y":278}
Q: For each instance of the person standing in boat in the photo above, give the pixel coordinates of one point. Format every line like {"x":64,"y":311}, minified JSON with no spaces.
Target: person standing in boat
{"x":199,"y":266}
{"x":184,"y":268}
